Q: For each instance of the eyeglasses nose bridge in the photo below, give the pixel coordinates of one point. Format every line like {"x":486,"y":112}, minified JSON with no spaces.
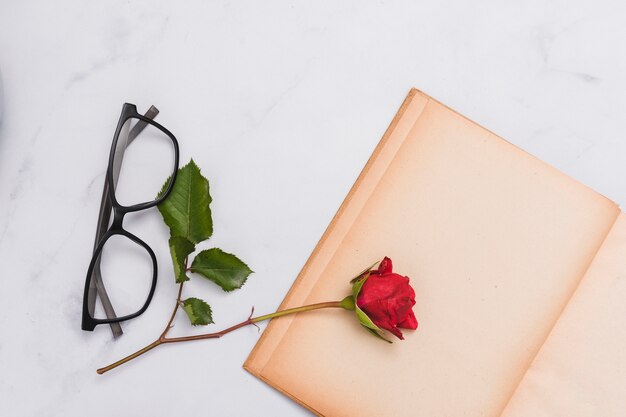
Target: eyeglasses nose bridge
{"x":118,"y":219}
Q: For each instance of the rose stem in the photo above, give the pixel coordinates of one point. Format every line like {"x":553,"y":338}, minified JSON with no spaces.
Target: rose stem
{"x":250,"y":320}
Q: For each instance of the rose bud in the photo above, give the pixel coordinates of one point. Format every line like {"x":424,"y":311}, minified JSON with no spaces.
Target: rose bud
{"x":385,"y":299}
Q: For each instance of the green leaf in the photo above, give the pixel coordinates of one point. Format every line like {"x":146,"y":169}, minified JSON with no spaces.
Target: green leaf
{"x":356,"y":288}
{"x":186,"y":209}
{"x":369,"y":324}
{"x":360,"y":314}
{"x":198,"y":311}
{"x":365,"y":320}
{"x":224,"y":269}
{"x":378,"y":335}
{"x":180,"y":248}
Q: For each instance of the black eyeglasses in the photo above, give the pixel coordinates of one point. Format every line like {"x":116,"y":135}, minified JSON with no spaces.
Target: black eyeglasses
{"x":134,"y":182}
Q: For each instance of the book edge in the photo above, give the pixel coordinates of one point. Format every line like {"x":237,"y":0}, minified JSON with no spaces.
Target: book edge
{"x":283,"y":391}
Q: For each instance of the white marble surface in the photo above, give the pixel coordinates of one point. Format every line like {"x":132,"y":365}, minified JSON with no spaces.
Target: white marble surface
{"x":280,"y":103}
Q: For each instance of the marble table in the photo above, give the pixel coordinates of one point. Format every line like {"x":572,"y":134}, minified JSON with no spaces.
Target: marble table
{"x":280,"y":103}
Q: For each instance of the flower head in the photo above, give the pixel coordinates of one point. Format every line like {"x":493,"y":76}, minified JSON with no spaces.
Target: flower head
{"x":386,"y":298}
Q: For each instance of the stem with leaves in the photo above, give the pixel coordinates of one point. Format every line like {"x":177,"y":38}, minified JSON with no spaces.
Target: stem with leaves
{"x":187,"y":213}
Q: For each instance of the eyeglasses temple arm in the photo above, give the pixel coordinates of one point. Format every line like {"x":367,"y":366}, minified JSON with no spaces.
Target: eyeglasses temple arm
{"x":96,"y":283}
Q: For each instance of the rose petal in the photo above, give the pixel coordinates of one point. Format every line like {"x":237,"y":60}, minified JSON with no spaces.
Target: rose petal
{"x":385,"y":266}
{"x":399,"y":308}
{"x":390,"y":328}
{"x":410,"y":322}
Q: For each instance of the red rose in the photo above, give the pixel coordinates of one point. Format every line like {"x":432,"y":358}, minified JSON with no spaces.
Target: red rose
{"x":387,"y":299}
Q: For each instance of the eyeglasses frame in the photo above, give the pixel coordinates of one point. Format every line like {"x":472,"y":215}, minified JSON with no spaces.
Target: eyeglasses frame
{"x":110,"y":204}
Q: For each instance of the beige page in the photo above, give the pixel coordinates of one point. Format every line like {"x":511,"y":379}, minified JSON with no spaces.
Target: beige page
{"x":580,"y":370}
{"x":495,"y":242}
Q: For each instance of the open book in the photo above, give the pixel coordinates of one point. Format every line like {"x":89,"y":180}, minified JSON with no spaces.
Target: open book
{"x":520,"y":280}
